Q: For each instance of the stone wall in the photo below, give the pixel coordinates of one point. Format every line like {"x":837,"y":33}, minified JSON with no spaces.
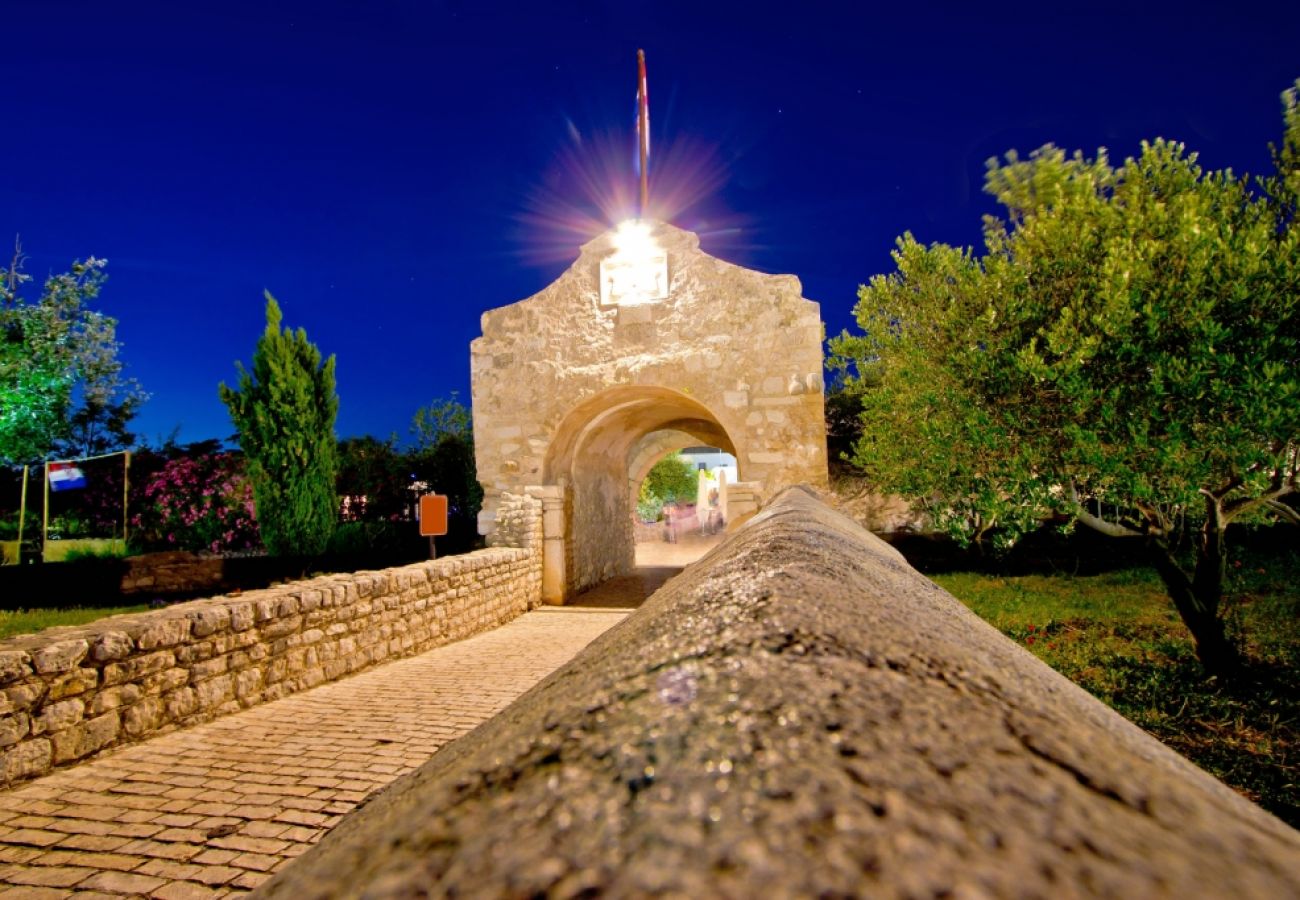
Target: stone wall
{"x":801,"y":714}
{"x":67,"y":693}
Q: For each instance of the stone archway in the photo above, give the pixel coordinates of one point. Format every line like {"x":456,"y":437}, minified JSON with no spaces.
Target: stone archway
{"x":633,"y":350}
{"x":597,"y":448}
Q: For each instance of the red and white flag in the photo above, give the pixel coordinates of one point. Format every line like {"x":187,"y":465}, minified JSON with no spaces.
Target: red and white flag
{"x":64,"y":476}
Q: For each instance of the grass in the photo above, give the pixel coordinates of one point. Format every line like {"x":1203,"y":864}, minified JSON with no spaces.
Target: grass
{"x":29,"y":621}
{"x":1117,"y":636}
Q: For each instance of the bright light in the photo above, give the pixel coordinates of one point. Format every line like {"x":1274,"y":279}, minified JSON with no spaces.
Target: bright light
{"x":633,"y":243}
{"x":637,"y":271}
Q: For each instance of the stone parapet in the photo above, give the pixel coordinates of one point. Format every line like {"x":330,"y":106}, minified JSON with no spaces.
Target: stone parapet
{"x":802,"y":714}
{"x":70,"y":692}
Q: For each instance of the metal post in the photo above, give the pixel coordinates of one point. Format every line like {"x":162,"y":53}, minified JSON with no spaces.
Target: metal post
{"x":45,"y":514}
{"x":126,"y":489}
{"x":22,"y":514}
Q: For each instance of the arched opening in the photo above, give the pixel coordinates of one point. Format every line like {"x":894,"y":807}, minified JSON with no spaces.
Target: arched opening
{"x":604,"y":445}
{"x":693,"y":525}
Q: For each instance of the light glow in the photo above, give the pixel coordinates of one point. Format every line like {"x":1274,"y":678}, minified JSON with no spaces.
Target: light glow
{"x":634,"y":244}
{"x":637,"y":271}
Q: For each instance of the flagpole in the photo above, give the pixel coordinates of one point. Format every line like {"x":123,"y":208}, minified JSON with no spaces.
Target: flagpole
{"x":126,"y":488}
{"x":45,"y":514}
{"x":22,"y":514}
{"x":643,"y":129}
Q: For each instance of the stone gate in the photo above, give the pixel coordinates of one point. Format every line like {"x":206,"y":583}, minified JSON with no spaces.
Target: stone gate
{"x":644,"y":346}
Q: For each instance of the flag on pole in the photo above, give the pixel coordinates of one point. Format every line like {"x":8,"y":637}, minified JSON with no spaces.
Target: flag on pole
{"x":65,"y":476}
{"x":642,"y":127}
{"x":642,"y":109}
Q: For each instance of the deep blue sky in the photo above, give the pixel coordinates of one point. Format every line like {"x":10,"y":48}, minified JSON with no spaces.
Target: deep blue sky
{"x":392,"y":168}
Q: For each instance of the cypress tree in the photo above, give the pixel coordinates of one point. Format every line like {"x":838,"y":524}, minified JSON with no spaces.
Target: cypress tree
{"x":284,"y":411}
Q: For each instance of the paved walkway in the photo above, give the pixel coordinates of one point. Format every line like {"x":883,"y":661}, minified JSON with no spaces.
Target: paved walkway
{"x":215,"y":809}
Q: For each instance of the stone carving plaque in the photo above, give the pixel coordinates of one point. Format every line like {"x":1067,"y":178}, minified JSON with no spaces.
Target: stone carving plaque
{"x":628,"y":282}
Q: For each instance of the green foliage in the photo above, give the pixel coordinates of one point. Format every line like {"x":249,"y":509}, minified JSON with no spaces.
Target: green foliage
{"x":374,"y":480}
{"x":378,"y":543}
{"x":1126,"y":353}
{"x":1116,"y":636}
{"x":440,"y":420}
{"x":9,"y":525}
{"x":30,"y":621}
{"x":61,"y":384}
{"x":648,"y":507}
{"x":284,"y":410}
{"x":442,"y":456}
{"x":671,"y":480}
{"x":91,"y":554}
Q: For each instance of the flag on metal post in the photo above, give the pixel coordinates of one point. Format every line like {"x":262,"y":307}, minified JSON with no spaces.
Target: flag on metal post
{"x":642,"y":128}
{"x":65,"y":476}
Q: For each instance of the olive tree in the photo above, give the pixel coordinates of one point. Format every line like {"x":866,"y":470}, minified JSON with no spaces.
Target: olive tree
{"x":1126,"y":351}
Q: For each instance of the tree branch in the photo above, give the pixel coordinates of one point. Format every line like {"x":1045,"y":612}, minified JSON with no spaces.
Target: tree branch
{"x":1097,"y":523}
{"x":1286,"y":512}
{"x":1245,"y":504}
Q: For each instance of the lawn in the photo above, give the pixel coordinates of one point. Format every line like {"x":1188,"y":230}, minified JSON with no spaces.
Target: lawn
{"x":28,"y":621}
{"x":1117,"y":635}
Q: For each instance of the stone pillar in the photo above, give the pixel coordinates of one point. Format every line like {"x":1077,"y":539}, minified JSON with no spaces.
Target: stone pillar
{"x":742,"y":499}
{"x":553,"y":541}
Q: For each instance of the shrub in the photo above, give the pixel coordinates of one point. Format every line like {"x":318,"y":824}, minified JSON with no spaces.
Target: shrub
{"x":198,"y":503}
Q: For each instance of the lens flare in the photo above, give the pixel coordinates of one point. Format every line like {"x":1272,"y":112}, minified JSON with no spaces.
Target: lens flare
{"x":590,"y":186}
{"x":633,"y":242}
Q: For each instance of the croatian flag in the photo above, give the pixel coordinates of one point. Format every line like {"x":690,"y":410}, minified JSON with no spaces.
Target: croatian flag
{"x":65,"y":476}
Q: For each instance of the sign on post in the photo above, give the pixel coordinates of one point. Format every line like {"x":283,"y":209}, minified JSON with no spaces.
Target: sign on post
{"x":433,"y":519}
{"x":433,"y":515}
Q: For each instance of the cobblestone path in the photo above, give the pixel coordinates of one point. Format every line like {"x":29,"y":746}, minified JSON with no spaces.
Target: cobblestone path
{"x":213,"y":810}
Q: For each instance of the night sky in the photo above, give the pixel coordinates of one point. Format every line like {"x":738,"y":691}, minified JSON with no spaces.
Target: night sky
{"x":390,"y":169}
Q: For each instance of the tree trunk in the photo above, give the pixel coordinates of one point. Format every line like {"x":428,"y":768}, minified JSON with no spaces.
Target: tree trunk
{"x":1198,"y":598}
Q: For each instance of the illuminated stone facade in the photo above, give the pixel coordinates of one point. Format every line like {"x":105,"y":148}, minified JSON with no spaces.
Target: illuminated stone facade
{"x":570,"y":392}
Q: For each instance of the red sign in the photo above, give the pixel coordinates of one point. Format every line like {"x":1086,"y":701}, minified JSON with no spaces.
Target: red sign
{"x":433,"y":515}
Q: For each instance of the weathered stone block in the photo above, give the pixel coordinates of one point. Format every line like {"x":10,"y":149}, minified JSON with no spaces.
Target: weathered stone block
{"x":27,"y":759}
{"x":58,"y":716}
{"x":281,"y":627}
{"x":214,"y":691}
{"x":208,"y":621}
{"x":180,"y":703}
{"x":132,"y":669}
{"x":72,"y":683}
{"x":114,"y":697}
{"x":166,"y":680}
{"x":209,"y":668}
{"x":13,"y":728}
{"x":59,"y":656}
{"x":242,"y":616}
{"x":248,"y":683}
{"x":143,"y":717}
{"x":165,"y":633}
{"x":24,"y":696}
{"x":188,"y":654}
{"x":86,"y":738}
{"x":112,"y":645}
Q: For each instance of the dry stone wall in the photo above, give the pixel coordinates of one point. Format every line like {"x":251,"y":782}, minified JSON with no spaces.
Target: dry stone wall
{"x":70,"y":692}
{"x":801,"y":714}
